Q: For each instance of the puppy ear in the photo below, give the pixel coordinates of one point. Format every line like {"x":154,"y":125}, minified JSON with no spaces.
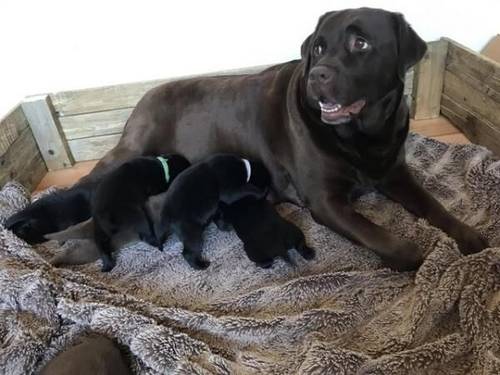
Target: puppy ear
{"x":411,"y":48}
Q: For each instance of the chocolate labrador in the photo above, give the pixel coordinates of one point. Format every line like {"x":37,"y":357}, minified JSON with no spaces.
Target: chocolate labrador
{"x":323,"y":125}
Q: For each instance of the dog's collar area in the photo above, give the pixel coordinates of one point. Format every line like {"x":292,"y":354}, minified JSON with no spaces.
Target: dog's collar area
{"x":248,"y":168}
{"x":166,"y":169}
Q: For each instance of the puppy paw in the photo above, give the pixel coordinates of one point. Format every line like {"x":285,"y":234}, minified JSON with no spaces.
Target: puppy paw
{"x":200,"y":264}
{"x":268,"y":263}
{"x":107,"y":264}
{"x":196,"y":262}
{"x":307,"y":253}
{"x":107,"y":267}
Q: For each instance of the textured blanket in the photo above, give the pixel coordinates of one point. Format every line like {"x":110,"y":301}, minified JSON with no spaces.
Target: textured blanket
{"x":342,"y":313}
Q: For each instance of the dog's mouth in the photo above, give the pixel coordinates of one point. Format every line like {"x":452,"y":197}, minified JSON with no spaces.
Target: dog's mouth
{"x":334,"y":113}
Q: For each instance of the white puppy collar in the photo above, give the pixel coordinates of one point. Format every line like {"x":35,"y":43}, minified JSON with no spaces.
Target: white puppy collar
{"x":248,"y":168}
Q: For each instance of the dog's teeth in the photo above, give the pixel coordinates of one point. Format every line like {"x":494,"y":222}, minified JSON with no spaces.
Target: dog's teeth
{"x":328,"y":109}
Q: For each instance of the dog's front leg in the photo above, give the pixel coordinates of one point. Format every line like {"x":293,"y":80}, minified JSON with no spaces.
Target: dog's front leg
{"x":336,"y":213}
{"x":402,"y":187}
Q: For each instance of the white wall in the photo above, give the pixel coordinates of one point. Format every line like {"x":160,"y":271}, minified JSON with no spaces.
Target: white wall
{"x":49,"y":45}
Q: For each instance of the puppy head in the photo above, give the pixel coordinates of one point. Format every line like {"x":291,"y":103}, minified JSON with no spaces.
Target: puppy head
{"x":259,"y":175}
{"x":354,"y":58}
{"x":176,"y":164}
{"x":30,"y":225}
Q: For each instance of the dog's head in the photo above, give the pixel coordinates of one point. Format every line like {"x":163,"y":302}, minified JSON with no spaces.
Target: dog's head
{"x":354,"y":58}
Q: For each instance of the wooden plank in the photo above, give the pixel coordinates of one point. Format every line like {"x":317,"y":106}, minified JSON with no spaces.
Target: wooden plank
{"x":10,"y":127}
{"x":47,"y":132}
{"x":478,"y":129}
{"x":468,"y":97}
{"x":113,"y":121}
{"x":428,"y":81}
{"x":479,"y":71}
{"x":120,"y":96}
{"x":92,"y":148}
{"x":95,"y":124}
{"x":23,"y":162}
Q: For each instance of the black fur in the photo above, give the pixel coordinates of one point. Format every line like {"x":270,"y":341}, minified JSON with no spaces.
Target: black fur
{"x":51,"y":213}
{"x":264,"y":233}
{"x":118,"y":203}
{"x":192,"y":200}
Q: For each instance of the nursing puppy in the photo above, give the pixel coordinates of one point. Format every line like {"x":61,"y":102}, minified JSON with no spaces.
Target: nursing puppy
{"x":118,"y":203}
{"x":51,"y":213}
{"x":83,"y":248}
{"x":264,"y":233}
{"x":193,"y":198}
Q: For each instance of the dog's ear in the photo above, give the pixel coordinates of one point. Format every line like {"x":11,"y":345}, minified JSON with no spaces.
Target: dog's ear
{"x":305,"y":48}
{"x":411,"y":48}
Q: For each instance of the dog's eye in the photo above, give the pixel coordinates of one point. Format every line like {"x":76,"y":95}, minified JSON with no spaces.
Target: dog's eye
{"x":360,"y":44}
{"x":318,"y":49}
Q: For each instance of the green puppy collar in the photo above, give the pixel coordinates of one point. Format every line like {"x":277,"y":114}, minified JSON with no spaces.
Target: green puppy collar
{"x":164,"y":164}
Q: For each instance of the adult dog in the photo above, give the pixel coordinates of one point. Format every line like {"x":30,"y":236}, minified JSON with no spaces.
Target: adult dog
{"x":323,"y":125}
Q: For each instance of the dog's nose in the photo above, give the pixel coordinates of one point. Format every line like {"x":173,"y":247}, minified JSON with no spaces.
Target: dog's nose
{"x":321,"y":74}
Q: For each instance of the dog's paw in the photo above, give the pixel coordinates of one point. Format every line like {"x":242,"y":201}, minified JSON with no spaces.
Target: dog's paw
{"x":469,"y":240}
{"x":407,"y":257}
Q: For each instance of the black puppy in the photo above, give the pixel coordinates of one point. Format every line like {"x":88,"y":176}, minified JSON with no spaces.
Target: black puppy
{"x":193,"y":198}
{"x":118,"y":203}
{"x":51,"y":214}
{"x":264,"y":233}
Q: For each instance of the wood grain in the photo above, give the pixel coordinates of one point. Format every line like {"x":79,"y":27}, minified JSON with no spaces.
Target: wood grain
{"x":92,"y":148}
{"x":479,"y":71}
{"x":429,"y":81}
{"x":10,"y":127}
{"x":23,"y":162}
{"x":470,"y":98}
{"x":478,"y":129}
{"x":47,"y":132}
{"x":120,"y":96}
{"x":95,"y":124}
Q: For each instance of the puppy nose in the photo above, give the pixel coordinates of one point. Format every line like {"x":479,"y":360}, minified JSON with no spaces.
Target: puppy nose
{"x":321,"y":74}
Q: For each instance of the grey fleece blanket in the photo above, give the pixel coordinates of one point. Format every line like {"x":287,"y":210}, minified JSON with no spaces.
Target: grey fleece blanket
{"x":342,"y":313}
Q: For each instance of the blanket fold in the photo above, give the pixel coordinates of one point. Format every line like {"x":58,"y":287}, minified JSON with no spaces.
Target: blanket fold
{"x":342,"y":313}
